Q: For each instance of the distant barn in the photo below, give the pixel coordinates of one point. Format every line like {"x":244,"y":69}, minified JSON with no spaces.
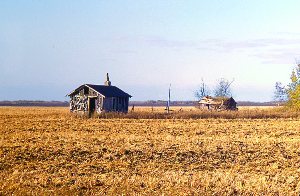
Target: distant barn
{"x":91,"y":98}
{"x":218,"y":103}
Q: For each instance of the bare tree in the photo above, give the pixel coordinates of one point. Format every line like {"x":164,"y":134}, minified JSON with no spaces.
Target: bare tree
{"x":280,"y":93}
{"x":202,"y":91}
{"x":223,"y":88}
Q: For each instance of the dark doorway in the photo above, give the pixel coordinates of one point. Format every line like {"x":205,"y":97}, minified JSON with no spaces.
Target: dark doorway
{"x":92,"y":105}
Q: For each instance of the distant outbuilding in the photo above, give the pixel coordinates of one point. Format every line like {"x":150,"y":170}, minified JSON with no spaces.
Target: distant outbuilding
{"x":218,"y":103}
{"x":91,"y":98}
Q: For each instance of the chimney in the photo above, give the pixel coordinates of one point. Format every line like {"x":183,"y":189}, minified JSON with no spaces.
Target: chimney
{"x":107,"y":82}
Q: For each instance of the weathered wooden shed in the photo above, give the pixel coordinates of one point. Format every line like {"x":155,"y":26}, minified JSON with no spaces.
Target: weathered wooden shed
{"x":91,"y":98}
{"x":218,"y":103}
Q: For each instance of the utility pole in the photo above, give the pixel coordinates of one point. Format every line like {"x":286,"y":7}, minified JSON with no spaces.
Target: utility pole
{"x":169,"y":100}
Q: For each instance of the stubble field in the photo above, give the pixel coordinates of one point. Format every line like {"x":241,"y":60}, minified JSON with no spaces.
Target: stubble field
{"x":48,"y":151}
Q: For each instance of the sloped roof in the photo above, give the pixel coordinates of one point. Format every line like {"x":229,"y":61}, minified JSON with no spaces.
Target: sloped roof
{"x":210,"y":100}
{"x":107,"y":91}
{"x":216,"y":100}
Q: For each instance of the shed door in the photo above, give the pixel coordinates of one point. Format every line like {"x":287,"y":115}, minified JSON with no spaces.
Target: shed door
{"x":92,"y":104}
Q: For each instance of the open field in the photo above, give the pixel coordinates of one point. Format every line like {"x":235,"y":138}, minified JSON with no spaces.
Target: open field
{"x":48,"y":151}
{"x":191,"y":108}
{"x":178,"y":112}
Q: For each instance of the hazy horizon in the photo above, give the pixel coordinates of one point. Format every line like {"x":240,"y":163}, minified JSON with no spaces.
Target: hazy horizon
{"x":158,"y":94}
{"x":49,"y":48}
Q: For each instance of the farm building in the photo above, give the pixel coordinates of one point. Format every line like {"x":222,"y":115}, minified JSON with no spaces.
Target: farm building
{"x":218,"y":103}
{"x":91,"y":98}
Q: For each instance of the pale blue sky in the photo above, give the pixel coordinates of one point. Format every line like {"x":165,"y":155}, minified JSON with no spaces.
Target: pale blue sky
{"x":48,"y":48}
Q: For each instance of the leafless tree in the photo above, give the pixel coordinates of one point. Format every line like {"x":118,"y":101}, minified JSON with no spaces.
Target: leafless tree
{"x":202,"y":91}
{"x":223,"y":88}
{"x":280,"y":93}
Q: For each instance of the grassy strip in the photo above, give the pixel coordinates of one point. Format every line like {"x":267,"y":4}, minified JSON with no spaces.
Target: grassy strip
{"x":205,"y":114}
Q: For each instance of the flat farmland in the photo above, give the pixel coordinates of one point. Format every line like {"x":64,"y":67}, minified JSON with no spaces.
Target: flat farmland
{"x":192,"y":108}
{"x":48,"y":151}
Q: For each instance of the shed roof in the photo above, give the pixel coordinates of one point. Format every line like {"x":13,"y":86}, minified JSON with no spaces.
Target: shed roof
{"x":106,"y":91}
{"x":216,"y":100}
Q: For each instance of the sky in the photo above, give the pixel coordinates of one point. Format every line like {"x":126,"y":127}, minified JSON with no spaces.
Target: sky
{"x":49,"y":48}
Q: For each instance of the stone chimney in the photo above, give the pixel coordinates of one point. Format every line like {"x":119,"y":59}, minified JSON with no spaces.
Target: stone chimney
{"x":107,"y":82}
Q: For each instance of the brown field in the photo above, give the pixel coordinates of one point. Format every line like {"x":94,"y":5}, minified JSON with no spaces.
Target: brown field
{"x":47,"y":151}
{"x":192,"y":108}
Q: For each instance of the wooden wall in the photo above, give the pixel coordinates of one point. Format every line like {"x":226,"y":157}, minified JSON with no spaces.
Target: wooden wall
{"x":118,"y":104}
{"x":79,"y":102}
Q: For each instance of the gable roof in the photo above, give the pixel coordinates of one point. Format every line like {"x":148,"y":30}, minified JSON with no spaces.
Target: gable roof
{"x":106,"y":91}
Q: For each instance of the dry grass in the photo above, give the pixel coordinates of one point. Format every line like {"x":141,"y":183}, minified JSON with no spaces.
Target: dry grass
{"x":194,"y":113}
{"x":47,"y":151}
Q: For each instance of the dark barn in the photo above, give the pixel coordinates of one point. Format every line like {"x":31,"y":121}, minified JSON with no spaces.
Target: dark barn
{"x":230,"y":104}
{"x":91,"y":98}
